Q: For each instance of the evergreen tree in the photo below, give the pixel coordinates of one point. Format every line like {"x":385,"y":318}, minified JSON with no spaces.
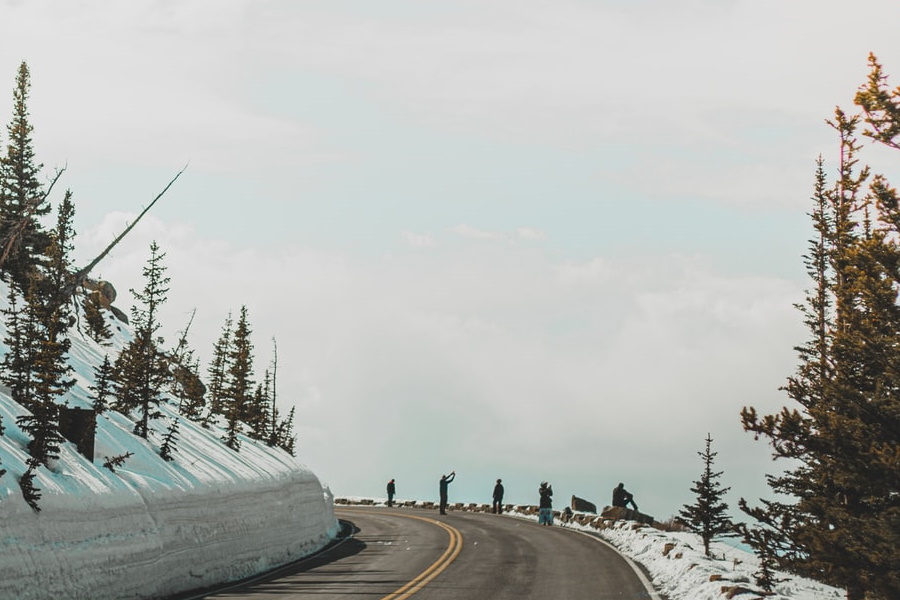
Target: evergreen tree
{"x":218,"y":369}
{"x":168,"y":444}
{"x":141,"y":371}
{"x":843,"y":525}
{"x":49,"y":310}
{"x":286,"y":439}
{"x":238,"y":392}
{"x":112,"y":463}
{"x":30,"y":492}
{"x":708,"y":516}
{"x":102,"y":387}
{"x":21,"y":340}
{"x":22,"y":199}
{"x":97,"y":325}
{"x":186,"y":383}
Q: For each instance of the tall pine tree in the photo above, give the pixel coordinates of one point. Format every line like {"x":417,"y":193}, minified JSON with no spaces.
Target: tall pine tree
{"x":217,"y":371}
{"x":238,"y":391}
{"x":842,"y":524}
{"x":141,"y":371}
{"x":23,"y":201}
{"x":51,"y":312}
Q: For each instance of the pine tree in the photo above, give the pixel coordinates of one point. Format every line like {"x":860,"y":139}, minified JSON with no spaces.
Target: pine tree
{"x":102,"y":387}
{"x":218,"y":369}
{"x":49,"y":318}
{"x":141,"y":371}
{"x":169,"y":440}
{"x":21,"y":335}
{"x":22,"y":199}
{"x":843,"y":523}
{"x":286,"y":439}
{"x":186,"y":383}
{"x":708,"y":516}
{"x":114,"y":462}
{"x":97,"y":325}
{"x":30,"y":492}
{"x":238,"y":391}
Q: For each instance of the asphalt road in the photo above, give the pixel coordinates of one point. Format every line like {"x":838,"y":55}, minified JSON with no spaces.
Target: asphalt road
{"x":402,"y":553}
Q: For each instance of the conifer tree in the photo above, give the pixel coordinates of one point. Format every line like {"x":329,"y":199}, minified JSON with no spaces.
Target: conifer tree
{"x":23,"y":202}
{"x":218,"y":369}
{"x":141,"y":372}
{"x":843,"y":523}
{"x":102,"y":387}
{"x":112,"y":463}
{"x":167,"y":448}
{"x":238,"y":392}
{"x":50,"y":313}
{"x":97,"y":325}
{"x":21,"y":340}
{"x":186,"y":383}
{"x":30,"y":491}
{"x":287,"y":440}
{"x":708,"y":516}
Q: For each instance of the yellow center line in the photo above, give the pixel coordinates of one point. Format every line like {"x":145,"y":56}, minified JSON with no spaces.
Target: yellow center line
{"x":437,"y":567}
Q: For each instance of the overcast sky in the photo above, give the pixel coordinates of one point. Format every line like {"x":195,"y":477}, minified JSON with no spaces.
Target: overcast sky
{"x":538,"y":240}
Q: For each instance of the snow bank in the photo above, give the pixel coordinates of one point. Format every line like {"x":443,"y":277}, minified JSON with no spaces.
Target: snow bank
{"x":681,"y":571}
{"x":151,"y":528}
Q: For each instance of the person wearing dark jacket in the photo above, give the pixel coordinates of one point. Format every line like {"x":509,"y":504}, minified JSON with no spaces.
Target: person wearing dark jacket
{"x":621,"y":497}
{"x":498,"y":498}
{"x":445,"y":481}
{"x":391,"y":490}
{"x":545,"y":514}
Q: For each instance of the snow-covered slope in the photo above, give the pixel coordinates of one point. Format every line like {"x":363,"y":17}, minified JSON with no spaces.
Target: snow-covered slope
{"x":152,"y":527}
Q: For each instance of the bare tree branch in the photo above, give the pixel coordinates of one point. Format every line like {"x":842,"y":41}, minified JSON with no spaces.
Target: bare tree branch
{"x":79,"y":276}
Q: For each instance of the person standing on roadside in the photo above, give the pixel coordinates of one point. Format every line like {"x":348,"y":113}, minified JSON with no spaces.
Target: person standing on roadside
{"x":545,"y":514}
{"x":445,"y":481}
{"x":498,"y":498}
{"x":391,"y":490}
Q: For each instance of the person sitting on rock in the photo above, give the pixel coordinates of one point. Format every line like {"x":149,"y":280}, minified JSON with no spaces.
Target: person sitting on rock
{"x":621,"y":497}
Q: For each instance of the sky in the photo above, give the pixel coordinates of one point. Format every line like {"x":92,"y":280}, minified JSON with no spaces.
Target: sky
{"x":536,"y":241}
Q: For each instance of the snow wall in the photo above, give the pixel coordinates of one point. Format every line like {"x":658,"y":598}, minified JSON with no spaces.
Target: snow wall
{"x":151,"y":528}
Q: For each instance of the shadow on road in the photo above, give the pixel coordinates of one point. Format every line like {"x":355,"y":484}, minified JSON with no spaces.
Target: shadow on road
{"x":343,"y":546}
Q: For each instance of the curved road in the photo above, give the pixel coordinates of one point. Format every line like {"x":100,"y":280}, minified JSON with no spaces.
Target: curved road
{"x":400,"y":554}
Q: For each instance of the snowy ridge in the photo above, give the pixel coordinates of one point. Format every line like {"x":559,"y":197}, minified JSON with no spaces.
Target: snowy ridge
{"x":151,"y":528}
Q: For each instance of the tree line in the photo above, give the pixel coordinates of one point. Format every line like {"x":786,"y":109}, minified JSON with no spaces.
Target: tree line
{"x":47,"y":302}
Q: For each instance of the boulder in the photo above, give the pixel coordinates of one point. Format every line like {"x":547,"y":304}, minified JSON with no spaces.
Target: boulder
{"x":582,"y":505}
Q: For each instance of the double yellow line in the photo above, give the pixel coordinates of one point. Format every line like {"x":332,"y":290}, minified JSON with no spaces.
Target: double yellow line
{"x":437,"y":567}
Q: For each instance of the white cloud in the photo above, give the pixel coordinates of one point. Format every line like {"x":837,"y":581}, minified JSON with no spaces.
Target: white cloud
{"x":419,"y":240}
{"x":467,"y":231}
{"x":531,"y":234}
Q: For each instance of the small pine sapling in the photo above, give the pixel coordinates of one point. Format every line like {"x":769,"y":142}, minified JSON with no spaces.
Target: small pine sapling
{"x":708,"y":517}
{"x":116,"y":461}
{"x":168,"y":443}
{"x":30,"y":492}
